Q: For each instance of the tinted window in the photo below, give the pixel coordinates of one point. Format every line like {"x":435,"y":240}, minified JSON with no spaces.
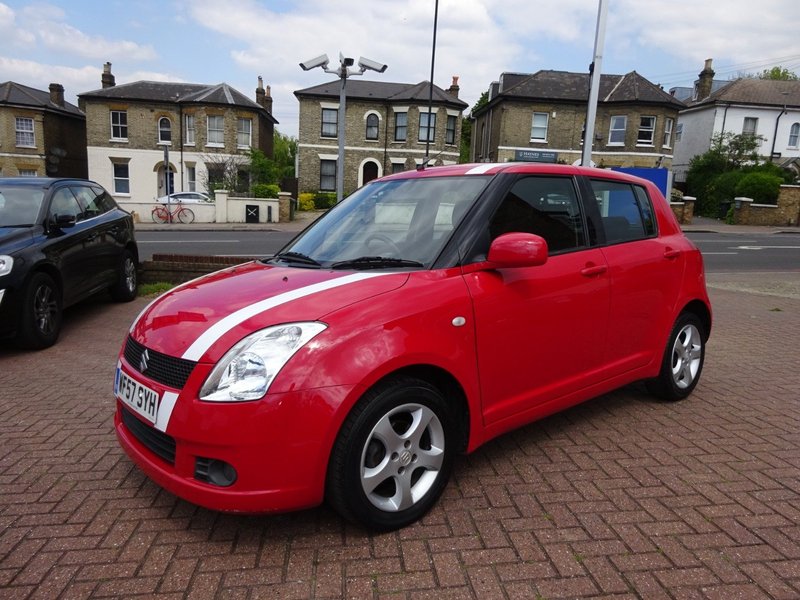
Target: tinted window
{"x":93,"y":200}
{"x":625,"y":210}
{"x":19,"y":206}
{"x":545,"y":206}
{"x":65,"y":203}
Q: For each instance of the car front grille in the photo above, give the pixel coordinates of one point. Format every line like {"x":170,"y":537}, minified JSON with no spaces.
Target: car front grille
{"x":165,"y":369}
{"x":159,"y":443}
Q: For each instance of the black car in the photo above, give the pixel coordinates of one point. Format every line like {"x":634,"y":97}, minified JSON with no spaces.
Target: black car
{"x":61,"y":240}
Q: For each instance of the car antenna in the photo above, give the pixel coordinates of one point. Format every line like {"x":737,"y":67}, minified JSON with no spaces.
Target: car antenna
{"x":428,"y":159}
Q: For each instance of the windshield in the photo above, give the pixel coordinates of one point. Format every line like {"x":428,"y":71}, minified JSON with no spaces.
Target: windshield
{"x":19,"y":206}
{"x":395,"y":223}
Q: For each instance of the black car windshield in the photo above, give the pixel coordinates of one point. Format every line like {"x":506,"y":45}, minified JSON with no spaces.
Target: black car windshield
{"x":399,"y":223}
{"x":19,"y":206}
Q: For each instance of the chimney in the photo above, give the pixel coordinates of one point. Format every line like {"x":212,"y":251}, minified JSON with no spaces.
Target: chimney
{"x":454,"y":89}
{"x":705,"y":79}
{"x":57,"y":94}
{"x":107,"y":79}
{"x":264,"y":97}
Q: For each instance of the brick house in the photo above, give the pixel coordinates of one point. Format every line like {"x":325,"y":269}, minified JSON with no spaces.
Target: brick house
{"x":541,"y":116}
{"x":386,"y":131}
{"x":40,"y":134}
{"x":766,"y":108}
{"x":203,"y":129}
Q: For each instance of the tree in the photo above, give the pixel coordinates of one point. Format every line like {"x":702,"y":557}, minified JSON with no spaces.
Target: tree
{"x":778,"y":74}
{"x":466,"y":128}
{"x":284,"y":154}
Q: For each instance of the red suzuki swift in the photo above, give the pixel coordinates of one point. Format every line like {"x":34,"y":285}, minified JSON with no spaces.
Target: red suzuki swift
{"x":424,"y":315}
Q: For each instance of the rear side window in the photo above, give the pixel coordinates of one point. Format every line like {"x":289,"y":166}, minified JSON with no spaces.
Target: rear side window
{"x":64,"y":203}
{"x":545,"y":206}
{"x":626,"y":211}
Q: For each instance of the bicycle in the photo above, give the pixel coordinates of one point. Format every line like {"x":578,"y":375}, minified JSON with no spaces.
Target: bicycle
{"x":181,"y":214}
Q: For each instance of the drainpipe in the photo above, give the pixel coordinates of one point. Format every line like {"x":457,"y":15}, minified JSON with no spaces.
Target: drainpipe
{"x":180,"y":138}
{"x":775,"y":135}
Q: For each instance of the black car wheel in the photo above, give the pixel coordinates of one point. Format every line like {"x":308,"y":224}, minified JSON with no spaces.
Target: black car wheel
{"x":393,"y":455}
{"x":124,"y":290}
{"x":683,"y":360}
{"x":41,"y":313}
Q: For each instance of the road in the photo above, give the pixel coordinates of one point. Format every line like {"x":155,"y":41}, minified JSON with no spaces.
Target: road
{"x":723,"y":252}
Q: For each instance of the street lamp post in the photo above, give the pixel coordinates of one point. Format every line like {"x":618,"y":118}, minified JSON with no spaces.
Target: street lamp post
{"x":343,"y":72}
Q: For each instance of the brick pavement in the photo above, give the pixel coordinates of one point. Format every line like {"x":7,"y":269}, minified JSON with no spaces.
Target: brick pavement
{"x":621,"y":497}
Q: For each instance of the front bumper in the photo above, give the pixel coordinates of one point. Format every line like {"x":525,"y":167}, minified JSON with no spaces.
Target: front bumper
{"x":278,"y":446}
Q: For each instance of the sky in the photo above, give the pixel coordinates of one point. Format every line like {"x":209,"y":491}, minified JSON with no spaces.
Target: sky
{"x":235,"y":41}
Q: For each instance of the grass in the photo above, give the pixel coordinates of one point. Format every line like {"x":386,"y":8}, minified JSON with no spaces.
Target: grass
{"x":155,"y":289}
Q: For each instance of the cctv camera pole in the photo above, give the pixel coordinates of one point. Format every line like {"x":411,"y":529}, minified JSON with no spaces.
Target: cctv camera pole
{"x":340,"y":131}
{"x":166,"y":183}
{"x":430,"y":88}
{"x":595,"y":69}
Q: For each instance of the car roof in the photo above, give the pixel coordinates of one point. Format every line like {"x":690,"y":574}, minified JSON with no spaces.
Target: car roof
{"x":492,"y":169}
{"x":40,"y":182}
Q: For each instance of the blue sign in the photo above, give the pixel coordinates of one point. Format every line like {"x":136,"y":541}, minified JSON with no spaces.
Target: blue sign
{"x":535,"y":156}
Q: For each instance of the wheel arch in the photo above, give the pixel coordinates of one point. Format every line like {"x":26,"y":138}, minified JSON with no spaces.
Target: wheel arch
{"x":702,"y":312}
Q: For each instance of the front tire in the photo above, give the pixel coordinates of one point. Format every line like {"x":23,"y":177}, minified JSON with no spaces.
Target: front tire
{"x":393,"y":456}
{"x":41,"y":313}
{"x":124,"y":289}
{"x":186,"y":215}
{"x":683,"y":360}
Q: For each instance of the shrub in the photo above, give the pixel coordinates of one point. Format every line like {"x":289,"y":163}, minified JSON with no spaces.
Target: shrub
{"x":763,"y":188}
{"x":265,"y":190}
{"x":721,"y":189}
{"x":324,"y":200}
{"x":305,"y":201}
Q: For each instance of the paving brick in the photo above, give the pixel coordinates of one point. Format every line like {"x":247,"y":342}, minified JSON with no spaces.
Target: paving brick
{"x":622,"y":497}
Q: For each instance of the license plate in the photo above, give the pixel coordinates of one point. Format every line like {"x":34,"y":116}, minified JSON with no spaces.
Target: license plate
{"x":138,"y":397}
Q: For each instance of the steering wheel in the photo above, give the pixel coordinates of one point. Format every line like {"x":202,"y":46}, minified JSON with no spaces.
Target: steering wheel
{"x":385,"y":240}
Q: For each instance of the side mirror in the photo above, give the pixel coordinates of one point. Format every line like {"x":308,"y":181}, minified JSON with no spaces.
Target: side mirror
{"x":512,"y":250}
{"x":62,"y":221}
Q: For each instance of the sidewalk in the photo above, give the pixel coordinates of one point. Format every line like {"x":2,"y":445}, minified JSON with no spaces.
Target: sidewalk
{"x":706,"y":224}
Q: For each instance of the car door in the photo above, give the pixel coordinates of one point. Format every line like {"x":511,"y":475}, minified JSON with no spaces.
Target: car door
{"x":69,"y":244}
{"x":645,"y":270}
{"x":541,"y":331}
{"x":105,"y":247}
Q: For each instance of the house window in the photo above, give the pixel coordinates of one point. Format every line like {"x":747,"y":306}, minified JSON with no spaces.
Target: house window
{"x":450,"y":130}
{"x":679,"y":132}
{"x":330,"y":121}
{"x":616,"y":133}
{"x":191,"y":178}
{"x":539,"y":127}
{"x":398,"y":167}
{"x":327,"y":175}
{"x":400,"y":126}
{"x":750,"y":126}
{"x":216,"y":130}
{"x":25,"y":137}
{"x":188,"y":123}
{"x":794,"y":134}
{"x":27,"y":172}
{"x":164,"y":131}
{"x":122,"y":182}
{"x":372,"y":127}
{"x":244,"y":133}
{"x":667,"y":141}
{"x":427,"y":126}
{"x":119,"y":125}
{"x":647,"y":129}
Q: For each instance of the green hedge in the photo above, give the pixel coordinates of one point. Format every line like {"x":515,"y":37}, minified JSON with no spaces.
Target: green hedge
{"x":763,"y":188}
{"x":265,"y":190}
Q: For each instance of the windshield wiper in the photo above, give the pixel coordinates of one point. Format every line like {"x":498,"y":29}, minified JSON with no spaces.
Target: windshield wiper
{"x":375,"y":262}
{"x":296,"y":257}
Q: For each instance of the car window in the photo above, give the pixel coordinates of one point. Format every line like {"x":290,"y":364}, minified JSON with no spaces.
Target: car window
{"x":625,"y":210}
{"x":545,"y":206}
{"x":19,"y":206}
{"x":64,"y":203}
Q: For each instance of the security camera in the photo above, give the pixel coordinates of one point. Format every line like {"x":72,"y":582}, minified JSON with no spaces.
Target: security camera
{"x":319,"y":61}
{"x":372,"y":65}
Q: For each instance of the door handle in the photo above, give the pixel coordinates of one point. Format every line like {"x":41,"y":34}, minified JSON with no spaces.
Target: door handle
{"x":671,"y":254}
{"x":592,"y":270}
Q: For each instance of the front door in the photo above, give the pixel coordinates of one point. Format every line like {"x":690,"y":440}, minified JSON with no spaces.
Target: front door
{"x":541,"y":331}
{"x":369,"y":172}
{"x":162,"y":190}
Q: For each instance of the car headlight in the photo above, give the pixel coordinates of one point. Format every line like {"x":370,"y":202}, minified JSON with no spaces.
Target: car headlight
{"x":6,"y":263}
{"x":247,"y":370}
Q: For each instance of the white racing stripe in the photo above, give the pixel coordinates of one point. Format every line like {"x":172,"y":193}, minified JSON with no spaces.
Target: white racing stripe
{"x":165,"y":410}
{"x":223,"y":326}
{"x":484,"y":168}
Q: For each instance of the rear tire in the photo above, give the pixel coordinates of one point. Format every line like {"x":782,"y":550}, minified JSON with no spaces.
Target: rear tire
{"x":683,"y":360}
{"x":160,"y":215}
{"x":41,"y":313}
{"x":186,"y":215}
{"x":393,"y":456}
{"x":124,"y":290}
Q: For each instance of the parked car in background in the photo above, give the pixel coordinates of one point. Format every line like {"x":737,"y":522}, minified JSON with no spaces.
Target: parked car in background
{"x":185,"y":198}
{"x":61,"y":240}
{"x":424,"y":315}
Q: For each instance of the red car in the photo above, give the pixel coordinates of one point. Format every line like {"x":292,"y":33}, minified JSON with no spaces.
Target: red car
{"x":424,"y":315}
